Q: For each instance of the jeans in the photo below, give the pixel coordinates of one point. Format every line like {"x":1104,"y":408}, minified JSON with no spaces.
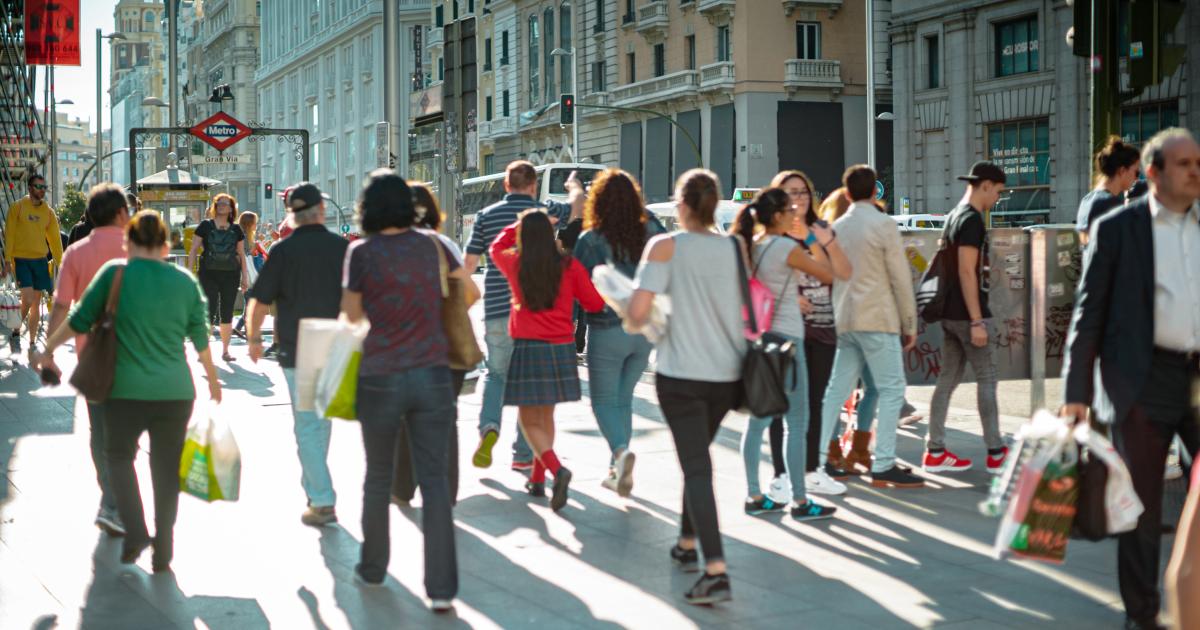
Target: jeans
{"x":957,"y":350}
{"x":616,"y":361}
{"x":422,"y":401}
{"x":694,"y":410}
{"x":869,"y":404}
{"x":167,"y":422}
{"x":404,"y":482}
{"x":108,"y":500}
{"x":795,"y":436}
{"x":857,"y":352}
{"x":499,"y":354}
{"x":312,"y":445}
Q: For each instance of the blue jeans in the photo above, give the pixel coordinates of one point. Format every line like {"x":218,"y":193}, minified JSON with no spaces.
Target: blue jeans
{"x":795,"y":432}
{"x":108,"y":500}
{"x":857,"y":352}
{"x":420,"y":400}
{"x":499,"y":354}
{"x":616,"y":361}
{"x":312,"y":445}
{"x":870,"y":401}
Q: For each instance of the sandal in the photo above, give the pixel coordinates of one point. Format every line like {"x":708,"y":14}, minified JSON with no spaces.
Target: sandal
{"x":228,"y":358}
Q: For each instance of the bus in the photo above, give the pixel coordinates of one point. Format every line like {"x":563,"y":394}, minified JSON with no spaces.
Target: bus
{"x":481,"y":192}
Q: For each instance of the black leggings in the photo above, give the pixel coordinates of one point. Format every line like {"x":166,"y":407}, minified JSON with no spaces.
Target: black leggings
{"x":404,"y":485}
{"x":221,"y":289}
{"x":694,"y":410}
{"x":125,"y":421}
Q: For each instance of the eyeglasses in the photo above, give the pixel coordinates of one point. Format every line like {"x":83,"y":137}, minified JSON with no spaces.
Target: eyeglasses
{"x":799,"y":193}
{"x":38,"y":186}
{"x":225,"y":204}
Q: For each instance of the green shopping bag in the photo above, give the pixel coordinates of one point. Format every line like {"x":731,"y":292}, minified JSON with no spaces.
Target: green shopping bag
{"x":211,"y":465}
{"x":341,"y":405}
{"x":337,"y":382}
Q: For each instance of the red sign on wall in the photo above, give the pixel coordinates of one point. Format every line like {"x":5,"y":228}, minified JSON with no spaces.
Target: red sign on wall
{"x":52,"y":32}
{"x":220,"y":131}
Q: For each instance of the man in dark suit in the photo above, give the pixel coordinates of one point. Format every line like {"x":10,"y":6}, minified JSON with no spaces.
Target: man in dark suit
{"x":1137,"y":312}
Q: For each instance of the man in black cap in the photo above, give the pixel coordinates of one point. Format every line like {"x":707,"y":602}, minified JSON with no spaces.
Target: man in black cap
{"x":965,"y":322}
{"x":303,"y":278}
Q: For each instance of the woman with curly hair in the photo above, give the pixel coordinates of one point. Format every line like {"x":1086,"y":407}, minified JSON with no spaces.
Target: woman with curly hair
{"x":618,"y":228}
{"x":222,"y":263}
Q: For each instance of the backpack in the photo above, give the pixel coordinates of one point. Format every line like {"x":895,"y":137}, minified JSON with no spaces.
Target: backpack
{"x":935,"y":283}
{"x":220,"y":250}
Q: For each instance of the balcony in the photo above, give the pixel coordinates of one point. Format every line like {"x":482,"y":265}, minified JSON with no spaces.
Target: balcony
{"x":435,"y":39}
{"x":812,"y":73}
{"x":653,"y":21}
{"x":497,"y":128}
{"x":790,"y":6}
{"x":666,"y":87}
{"x":594,"y":98}
{"x":718,"y":12}
{"x":717,"y":76}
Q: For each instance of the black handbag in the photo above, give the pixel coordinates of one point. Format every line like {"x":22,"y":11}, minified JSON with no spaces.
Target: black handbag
{"x":1091,"y":516}
{"x":769,"y":360}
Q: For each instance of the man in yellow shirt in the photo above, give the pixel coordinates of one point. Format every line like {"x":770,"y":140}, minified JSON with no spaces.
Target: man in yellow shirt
{"x":31,"y":233}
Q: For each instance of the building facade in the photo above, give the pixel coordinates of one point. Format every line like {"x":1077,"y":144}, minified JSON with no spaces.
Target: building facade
{"x":137,"y":71}
{"x":996,"y":80}
{"x":76,"y":148}
{"x":321,"y":69}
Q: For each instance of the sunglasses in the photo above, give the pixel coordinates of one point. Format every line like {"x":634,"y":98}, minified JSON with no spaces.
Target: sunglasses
{"x":38,"y":186}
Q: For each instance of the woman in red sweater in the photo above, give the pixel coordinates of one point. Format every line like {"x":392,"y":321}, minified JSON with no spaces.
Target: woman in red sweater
{"x":544,"y":370}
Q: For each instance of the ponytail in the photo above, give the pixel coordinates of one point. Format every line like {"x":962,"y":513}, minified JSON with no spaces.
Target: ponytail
{"x":743,"y":223}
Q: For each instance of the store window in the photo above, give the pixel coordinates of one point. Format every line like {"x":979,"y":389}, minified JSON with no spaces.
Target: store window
{"x":808,"y":40}
{"x":1139,"y":124}
{"x":1022,"y":149}
{"x":1017,"y":46}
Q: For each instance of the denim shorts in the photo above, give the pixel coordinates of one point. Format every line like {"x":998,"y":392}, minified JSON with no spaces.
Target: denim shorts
{"x":33,"y":273}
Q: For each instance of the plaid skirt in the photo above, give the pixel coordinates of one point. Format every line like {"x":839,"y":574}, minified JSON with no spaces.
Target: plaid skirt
{"x":542,"y":373}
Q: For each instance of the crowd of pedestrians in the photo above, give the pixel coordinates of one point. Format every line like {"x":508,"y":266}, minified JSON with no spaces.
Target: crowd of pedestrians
{"x":842,"y":293}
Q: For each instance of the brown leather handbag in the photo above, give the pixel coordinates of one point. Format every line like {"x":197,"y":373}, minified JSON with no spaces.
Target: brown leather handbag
{"x":460,"y":336}
{"x":93,"y":377}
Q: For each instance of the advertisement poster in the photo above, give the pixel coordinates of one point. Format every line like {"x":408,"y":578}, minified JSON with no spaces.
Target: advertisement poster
{"x":52,"y":32}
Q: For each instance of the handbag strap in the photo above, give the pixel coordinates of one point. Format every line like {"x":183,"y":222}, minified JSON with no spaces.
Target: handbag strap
{"x":443,"y":266}
{"x":744,"y":283}
{"x":786,"y":281}
{"x":114,"y":292}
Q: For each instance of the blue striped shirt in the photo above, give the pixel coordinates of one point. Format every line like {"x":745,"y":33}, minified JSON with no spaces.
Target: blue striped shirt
{"x":489,"y":222}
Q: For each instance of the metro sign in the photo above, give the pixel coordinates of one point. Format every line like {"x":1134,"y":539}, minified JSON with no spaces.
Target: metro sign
{"x":220,"y":131}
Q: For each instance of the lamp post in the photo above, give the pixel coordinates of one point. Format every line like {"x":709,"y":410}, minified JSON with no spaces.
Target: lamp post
{"x":99,"y":126}
{"x":560,"y":52}
{"x":54,"y":142}
{"x":96,"y":164}
{"x":337,"y":157}
{"x":871,"y":83}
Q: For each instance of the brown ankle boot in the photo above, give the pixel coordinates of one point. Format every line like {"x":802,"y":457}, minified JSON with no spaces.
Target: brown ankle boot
{"x":835,"y":458}
{"x":860,"y":452}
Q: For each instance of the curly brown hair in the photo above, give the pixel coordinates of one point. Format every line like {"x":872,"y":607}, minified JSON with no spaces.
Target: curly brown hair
{"x":616,"y":211}
{"x":233,"y":211}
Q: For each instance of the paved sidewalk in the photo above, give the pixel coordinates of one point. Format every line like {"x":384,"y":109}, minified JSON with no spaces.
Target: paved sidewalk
{"x":891,"y":559}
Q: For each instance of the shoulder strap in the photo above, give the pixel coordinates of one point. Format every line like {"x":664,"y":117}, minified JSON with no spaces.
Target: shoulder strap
{"x":744,"y":284}
{"x":750,"y":248}
{"x":443,"y":266}
{"x":114,"y":291}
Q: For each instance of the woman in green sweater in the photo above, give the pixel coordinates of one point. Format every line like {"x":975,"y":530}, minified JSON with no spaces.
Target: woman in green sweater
{"x":159,"y":306}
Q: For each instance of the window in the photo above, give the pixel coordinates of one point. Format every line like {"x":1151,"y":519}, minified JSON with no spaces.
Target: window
{"x":564,"y":41}
{"x":933,"y":62}
{"x":628,"y":17}
{"x":487,"y":55}
{"x":454,"y":9}
{"x":690,"y":42}
{"x":441,"y":69}
{"x":1139,"y":123}
{"x":631,"y":67}
{"x":1022,"y":149}
{"x":487,"y":108}
{"x":439,"y":16}
{"x":534,"y":60}
{"x":599,"y":80}
{"x":504,"y":104}
{"x":724,"y":44}
{"x":489,"y":164}
{"x":504,"y":48}
{"x":470,"y":6}
{"x":598,"y":27}
{"x":808,"y":40}
{"x":1017,"y":46}
{"x":547,"y":48}
{"x":660,"y":59}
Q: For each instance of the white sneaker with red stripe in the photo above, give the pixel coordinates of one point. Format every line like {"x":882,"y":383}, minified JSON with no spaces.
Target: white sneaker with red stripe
{"x":944,"y":462}
{"x":995,"y":463}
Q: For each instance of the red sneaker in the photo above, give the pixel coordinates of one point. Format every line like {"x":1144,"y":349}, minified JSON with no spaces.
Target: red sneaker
{"x":995,"y":464}
{"x":946,"y":462}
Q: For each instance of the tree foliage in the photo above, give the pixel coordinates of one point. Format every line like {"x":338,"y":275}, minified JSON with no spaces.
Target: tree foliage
{"x":71,"y":208}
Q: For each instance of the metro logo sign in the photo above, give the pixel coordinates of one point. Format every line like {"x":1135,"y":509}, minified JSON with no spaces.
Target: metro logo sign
{"x":220,"y":131}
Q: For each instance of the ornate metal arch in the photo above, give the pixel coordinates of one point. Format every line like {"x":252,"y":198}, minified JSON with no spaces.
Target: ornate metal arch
{"x":298,"y":138}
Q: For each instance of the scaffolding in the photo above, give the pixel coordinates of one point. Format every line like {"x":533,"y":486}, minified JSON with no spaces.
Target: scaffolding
{"x":23,"y":147}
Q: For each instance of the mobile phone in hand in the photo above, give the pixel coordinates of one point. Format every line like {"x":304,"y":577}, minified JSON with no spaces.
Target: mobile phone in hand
{"x":50,"y":377}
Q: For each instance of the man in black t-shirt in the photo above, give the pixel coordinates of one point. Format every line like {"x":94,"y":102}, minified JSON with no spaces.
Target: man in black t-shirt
{"x":965,"y":322}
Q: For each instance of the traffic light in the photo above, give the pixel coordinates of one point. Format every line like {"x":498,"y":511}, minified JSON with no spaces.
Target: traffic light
{"x":566,"y":109}
{"x":268,"y":190}
{"x":1079,"y":36}
{"x":1151,"y":25}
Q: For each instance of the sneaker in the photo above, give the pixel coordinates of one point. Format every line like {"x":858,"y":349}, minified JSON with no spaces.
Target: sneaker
{"x":1172,"y":472}
{"x":473,"y":375}
{"x":688,"y":560}
{"x":110,"y":523}
{"x":400,"y":501}
{"x":780,"y":489}
{"x":14,"y":342}
{"x":522,"y":465}
{"x":624,"y":472}
{"x":896,"y":477}
{"x":812,"y":511}
{"x":761,"y":505}
{"x":944,"y":462}
{"x":709,"y":589}
{"x":818,"y":482}
{"x":483,"y":452}
{"x":441,"y":605}
{"x":562,"y":481}
{"x":610,"y":481}
{"x":836,"y":473}
{"x":995,"y":463}
{"x":318,"y":516}
{"x":535,"y":489}
{"x":362,"y":581}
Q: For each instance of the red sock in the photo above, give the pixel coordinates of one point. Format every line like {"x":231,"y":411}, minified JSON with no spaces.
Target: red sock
{"x":550,"y":460}
{"x":539,"y":472}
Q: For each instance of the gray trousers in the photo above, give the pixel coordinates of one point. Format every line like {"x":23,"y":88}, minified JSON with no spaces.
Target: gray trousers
{"x":957,"y":351}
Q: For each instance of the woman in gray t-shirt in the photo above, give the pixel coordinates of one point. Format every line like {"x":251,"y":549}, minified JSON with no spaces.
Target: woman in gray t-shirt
{"x":778,"y":262}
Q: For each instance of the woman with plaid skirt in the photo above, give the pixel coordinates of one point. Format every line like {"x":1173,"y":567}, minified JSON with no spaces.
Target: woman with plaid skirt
{"x":544,"y":370}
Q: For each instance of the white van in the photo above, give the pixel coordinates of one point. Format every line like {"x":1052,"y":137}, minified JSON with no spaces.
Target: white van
{"x":481,"y":192}
{"x":667,"y":212}
{"x":933,"y":221}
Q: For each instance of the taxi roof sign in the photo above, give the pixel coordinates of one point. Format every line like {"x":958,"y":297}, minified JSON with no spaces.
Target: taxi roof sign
{"x":220,"y":131}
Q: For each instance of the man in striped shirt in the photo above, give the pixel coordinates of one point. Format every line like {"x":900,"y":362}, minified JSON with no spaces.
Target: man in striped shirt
{"x":520,"y":182}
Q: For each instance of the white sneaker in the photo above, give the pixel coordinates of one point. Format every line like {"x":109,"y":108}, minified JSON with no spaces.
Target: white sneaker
{"x":473,"y":375}
{"x":610,"y":481}
{"x":624,"y":473}
{"x":1172,"y":472}
{"x":818,"y":482}
{"x":441,"y":605}
{"x":780,"y":490}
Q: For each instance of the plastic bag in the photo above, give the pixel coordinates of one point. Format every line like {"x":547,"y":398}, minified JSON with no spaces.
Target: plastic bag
{"x":211,"y":466}
{"x":10,"y":306}
{"x":337,"y":382}
{"x":312,"y":353}
{"x":617,"y":290}
{"x":1121,"y":506}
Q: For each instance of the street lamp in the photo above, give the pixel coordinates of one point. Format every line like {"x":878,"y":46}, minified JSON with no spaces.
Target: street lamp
{"x":54,"y":147}
{"x":337,"y":156}
{"x":154,"y":101}
{"x":886,"y":117}
{"x":561,"y":52}
{"x":99,"y":117}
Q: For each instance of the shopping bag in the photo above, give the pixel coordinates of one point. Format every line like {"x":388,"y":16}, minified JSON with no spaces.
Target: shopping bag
{"x":337,"y":383}
{"x":312,"y":352}
{"x":617,"y":290}
{"x":1108,"y":503}
{"x":10,"y":306}
{"x":211,"y":466}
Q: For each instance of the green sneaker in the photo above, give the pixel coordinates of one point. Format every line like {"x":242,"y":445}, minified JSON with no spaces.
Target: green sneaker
{"x":483,"y":452}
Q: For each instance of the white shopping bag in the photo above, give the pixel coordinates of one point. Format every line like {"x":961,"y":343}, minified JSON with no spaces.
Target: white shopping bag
{"x":1121,"y":502}
{"x":312,"y":351}
{"x":211,"y":466}
{"x":617,"y":290}
{"x":347,"y":341}
{"x":10,"y":306}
